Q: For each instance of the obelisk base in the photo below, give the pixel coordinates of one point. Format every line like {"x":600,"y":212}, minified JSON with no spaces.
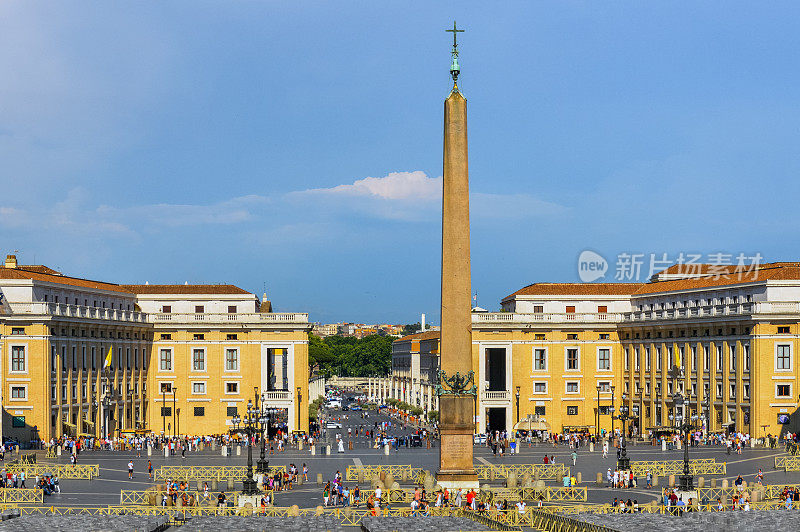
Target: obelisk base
{"x":456,"y":470}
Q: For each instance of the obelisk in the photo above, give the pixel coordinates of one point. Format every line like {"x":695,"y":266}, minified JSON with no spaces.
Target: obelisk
{"x":456,"y":387}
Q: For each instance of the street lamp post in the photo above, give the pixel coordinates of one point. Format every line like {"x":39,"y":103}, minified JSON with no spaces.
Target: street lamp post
{"x":163,"y":417}
{"x":174,"y":391}
{"x":612,"y":413}
{"x":249,"y":424}
{"x":624,"y":463}
{"x":299,"y":401}
{"x":597,"y":416}
{"x":684,"y":424}
{"x":262,"y":466}
{"x":517,"y":395}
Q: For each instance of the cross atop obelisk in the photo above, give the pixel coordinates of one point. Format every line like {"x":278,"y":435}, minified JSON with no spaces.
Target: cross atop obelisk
{"x":456,"y":389}
{"x":454,"y":68}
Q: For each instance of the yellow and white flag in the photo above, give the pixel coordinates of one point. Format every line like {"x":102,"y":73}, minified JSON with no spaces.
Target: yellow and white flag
{"x":107,"y":363}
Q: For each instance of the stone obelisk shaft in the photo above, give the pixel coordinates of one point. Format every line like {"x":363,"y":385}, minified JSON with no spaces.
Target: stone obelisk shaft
{"x":456,"y":423}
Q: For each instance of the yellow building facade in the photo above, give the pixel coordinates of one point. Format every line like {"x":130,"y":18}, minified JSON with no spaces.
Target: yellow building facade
{"x":94,"y":358}
{"x":559,"y":350}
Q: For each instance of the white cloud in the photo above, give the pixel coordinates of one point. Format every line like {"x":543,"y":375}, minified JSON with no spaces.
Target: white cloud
{"x":395,"y":186}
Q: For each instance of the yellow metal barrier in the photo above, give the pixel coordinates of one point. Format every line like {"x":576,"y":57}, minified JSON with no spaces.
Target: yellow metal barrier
{"x":397,"y":471}
{"x":543,"y":471}
{"x":546,"y":494}
{"x":207,"y":472}
{"x":62,"y":471}
{"x":21,"y":496}
{"x":153,"y":497}
{"x":699,"y":466}
{"x":787,"y":463}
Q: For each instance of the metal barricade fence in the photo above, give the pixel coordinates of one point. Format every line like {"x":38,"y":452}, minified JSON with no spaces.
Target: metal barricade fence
{"x":62,"y":471}
{"x":543,"y":471}
{"x":207,"y":472}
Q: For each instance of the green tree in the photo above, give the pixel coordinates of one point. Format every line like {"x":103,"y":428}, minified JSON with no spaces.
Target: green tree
{"x":348,"y":356}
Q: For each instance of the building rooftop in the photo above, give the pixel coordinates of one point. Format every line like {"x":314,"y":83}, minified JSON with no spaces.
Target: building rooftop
{"x":167,"y":289}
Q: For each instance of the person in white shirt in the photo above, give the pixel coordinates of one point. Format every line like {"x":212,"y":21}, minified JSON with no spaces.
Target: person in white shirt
{"x":521,"y":507}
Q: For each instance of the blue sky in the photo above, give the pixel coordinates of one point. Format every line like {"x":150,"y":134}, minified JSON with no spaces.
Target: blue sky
{"x":233,"y":141}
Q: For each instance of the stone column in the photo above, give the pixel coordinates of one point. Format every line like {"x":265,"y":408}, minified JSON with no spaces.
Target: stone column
{"x":455,"y":452}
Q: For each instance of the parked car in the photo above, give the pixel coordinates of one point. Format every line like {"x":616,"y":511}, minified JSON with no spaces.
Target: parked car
{"x":333,"y":425}
{"x":479,"y":439}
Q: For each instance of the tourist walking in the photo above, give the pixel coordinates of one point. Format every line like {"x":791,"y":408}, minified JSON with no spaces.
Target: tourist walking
{"x":130,"y":470}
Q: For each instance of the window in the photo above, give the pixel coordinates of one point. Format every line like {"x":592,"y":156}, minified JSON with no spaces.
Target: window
{"x":199,"y":336}
{"x":732,"y":348}
{"x":572,"y":359}
{"x":539,"y":387}
{"x":784,"y":357}
{"x":572,"y":387}
{"x":166,"y":387}
{"x":718,"y":349}
{"x":636,"y":354}
{"x":570,"y":309}
{"x":231,"y":387}
{"x":694,"y":389}
{"x":538,"y":309}
{"x":694,"y":357}
{"x":572,"y":336}
{"x":17,"y":358}
{"x":166,"y":336}
{"x":746,"y":357}
{"x":781,"y":330}
{"x":602,"y":309}
{"x":733,"y":391}
{"x":783,"y":390}
{"x":18,"y":330}
{"x":231,"y":360}
{"x":647,"y":388}
{"x":18,"y":392}
{"x":658,"y":357}
{"x":539,"y":336}
{"x":647,"y":358}
{"x":706,"y":359}
{"x":18,"y":422}
{"x":231,"y":411}
{"x":539,"y":410}
{"x":231,"y":309}
{"x":166,"y":411}
{"x":199,"y":411}
{"x":719,"y":390}
{"x":681,"y":358}
{"x":605,"y":336}
{"x":539,"y":359}
{"x":199,"y":388}
{"x":165,"y":360}
{"x":199,"y":360}
{"x":572,"y":410}
{"x":745,"y":391}
{"x":627,"y":359}
{"x":232,"y":336}
{"x":605,"y":386}
{"x":199,"y":309}
{"x":166,"y":309}
{"x":604,"y":359}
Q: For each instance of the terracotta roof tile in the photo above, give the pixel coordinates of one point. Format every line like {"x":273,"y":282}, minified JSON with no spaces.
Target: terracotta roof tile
{"x":427,"y":335}
{"x":23,"y":273}
{"x":184,"y":289}
{"x":773,"y":271}
{"x":577,"y":289}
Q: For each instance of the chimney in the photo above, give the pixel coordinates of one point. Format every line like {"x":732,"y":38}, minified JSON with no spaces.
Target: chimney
{"x":11,"y":261}
{"x":422,"y":323}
